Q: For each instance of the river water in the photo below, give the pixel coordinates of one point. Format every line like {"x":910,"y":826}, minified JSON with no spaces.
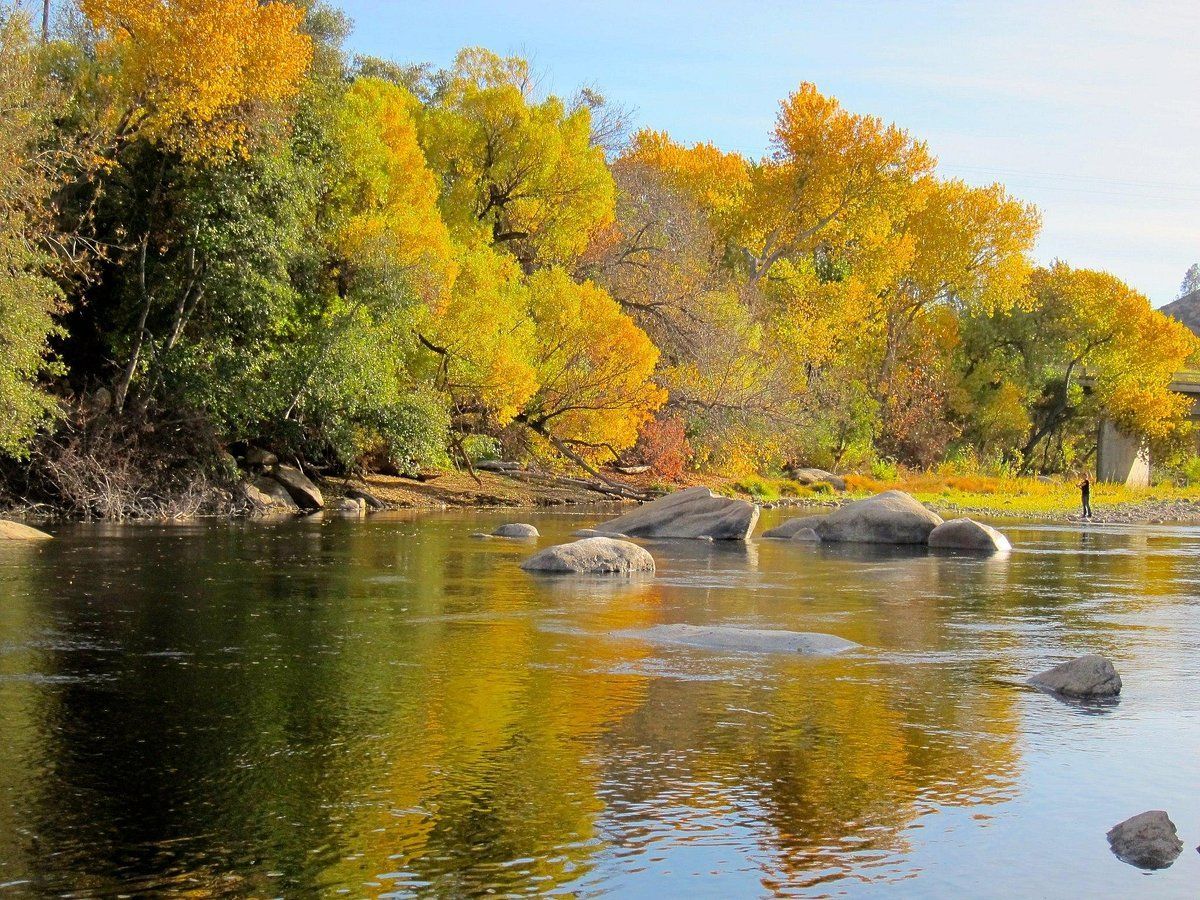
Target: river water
{"x":392,"y":708}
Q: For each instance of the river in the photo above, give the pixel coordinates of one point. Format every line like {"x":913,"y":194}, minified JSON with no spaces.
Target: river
{"x":390,"y":707}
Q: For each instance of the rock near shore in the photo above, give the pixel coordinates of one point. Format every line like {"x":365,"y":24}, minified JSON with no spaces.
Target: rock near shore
{"x":694,"y":513}
{"x":516,"y":530}
{"x":892,"y":517}
{"x":301,"y":489}
{"x":592,"y":556}
{"x":16,"y":531}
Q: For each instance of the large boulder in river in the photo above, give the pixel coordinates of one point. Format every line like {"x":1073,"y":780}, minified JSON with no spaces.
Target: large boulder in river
{"x":519,"y":530}
{"x":15,"y":531}
{"x":1085,"y":677}
{"x":306,"y":494}
{"x":1148,"y":840}
{"x":788,"y":529}
{"x":592,"y":556}
{"x":892,"y":517}
{"x":694,"y":513}
{"x":967,"y":534}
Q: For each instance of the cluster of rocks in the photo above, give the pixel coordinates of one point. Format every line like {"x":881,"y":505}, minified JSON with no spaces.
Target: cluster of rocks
{"x":892,"y":517}
{"x":277,"y":489}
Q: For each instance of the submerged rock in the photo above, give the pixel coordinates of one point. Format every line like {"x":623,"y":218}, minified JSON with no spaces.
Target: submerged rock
{"x":892,"y":517}
{"x":592,"y":556}
{"x":16,"y":531}
{"x":1084,"y":677}
{"x":516,"y":530}
{"x":753,"y":640}
{"x":1148,"y":840}
{"x":789,"y":528}
{"x":694,"y":513}
{"x":592,"y":532}
{"x":306,"y":494}
{"x":967,"y":534}
{"x":806,"y":536}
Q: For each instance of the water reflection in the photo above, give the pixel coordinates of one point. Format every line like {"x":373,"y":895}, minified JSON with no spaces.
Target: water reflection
{"x":390,"y":706}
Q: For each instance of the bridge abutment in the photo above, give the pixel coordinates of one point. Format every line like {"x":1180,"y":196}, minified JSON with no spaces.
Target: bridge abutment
{"x":1121,"y":458}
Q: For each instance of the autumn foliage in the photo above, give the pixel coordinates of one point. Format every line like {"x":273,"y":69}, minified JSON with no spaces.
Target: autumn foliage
{"x":354,"y":260}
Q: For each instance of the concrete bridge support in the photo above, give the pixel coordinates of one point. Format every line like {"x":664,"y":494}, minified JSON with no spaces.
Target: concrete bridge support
{"x":1121,"y":458}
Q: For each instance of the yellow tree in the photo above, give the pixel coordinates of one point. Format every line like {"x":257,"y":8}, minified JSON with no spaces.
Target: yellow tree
{"x":517,"y":172}
{"x":594,"y":369}
{"x":191,"y":74}
{"x":1089,"y":323}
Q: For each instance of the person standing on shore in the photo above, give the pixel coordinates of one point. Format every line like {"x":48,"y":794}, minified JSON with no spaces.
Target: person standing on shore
{"x":1085,"y":493}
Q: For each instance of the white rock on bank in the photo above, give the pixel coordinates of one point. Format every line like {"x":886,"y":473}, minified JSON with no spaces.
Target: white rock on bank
{"x":1085,"y":677}
{"x":753,"y":640}
{"x":592,"y":556}
{"x":694,"y":513}
{"x":1147,"y":840}
{"x":892,"y":517}
{"x":967,"y":534}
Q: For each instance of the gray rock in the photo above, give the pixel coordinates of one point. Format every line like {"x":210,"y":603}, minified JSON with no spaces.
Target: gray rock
{"x":257,"y":457}
{"x":16,"y":531}
{"x":306,"y":494}
{"x":349,"y":506}
{"x":694,"y":513}
{"x":1148,"y":840}
{"x":592,"y":532}
{"x":275,"y":495}
{"x":967,"y":534}
{"x":1084,"y":677}
{"x":497,"y":465}
{"x":367,"y":497}
{"x":516,"y":530}
{"x":892,"y":517}
{"x":806,"y":536}
{"x":791,"y":526}
{"x":592,"y":556}
{"x":819,"y":476}
{"x":753,"y":640}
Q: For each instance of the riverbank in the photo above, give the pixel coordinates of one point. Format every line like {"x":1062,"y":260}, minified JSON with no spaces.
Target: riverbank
{"x":1041,"y":499}
{"x":1026,"y":498}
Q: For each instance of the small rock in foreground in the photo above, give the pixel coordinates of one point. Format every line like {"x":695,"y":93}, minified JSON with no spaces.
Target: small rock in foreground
{"x":1085,"y":677}
{"x":592,"y":556}
{"x":753,"y":640}
{"x":1148,"y":840}
{"x":516,"y":530}
{"x":967,"y":534}
{"x":15,"y":531}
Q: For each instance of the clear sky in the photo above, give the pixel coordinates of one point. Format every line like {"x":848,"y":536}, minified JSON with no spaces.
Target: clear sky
{"x":1088,"y":109}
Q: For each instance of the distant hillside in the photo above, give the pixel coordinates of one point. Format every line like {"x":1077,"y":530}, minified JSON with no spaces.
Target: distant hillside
{"x":1186,"y":309}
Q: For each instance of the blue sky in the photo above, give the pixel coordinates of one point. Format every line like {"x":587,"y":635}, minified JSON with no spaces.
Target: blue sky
{"x":1087,"y":109}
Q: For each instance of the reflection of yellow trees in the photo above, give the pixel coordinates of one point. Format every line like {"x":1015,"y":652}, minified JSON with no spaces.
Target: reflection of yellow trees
{"x":485,"y":773}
